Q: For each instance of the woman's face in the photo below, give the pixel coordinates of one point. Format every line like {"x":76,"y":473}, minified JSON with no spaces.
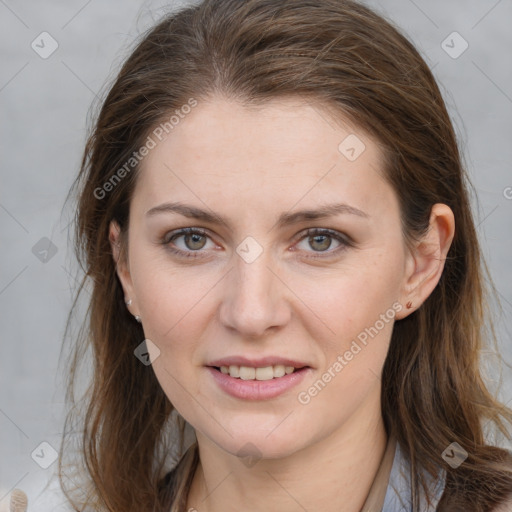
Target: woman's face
{"x":255,"y":290}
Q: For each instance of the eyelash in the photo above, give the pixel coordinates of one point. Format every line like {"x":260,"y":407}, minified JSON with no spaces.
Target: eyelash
{"x":344,"y":240}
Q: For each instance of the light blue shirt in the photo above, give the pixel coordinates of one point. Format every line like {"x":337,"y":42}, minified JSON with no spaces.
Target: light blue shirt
{"x":399,"y":496}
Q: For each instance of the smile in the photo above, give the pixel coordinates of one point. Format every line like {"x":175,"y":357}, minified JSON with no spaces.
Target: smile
{"x":261,"y":383}
{"x":262,"y":373}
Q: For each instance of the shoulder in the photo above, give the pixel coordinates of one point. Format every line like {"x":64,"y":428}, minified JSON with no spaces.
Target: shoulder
{"x":399,"y":494}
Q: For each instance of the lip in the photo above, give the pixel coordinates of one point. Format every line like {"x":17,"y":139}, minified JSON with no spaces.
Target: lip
{"x":261,"y":362}
{"x":257,"y":389}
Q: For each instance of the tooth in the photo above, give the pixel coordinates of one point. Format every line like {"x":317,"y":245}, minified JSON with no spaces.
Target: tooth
{"x":234,"y":371}
{"x":266,"y":373}
{"x":250,"y":373}
{"x":247,"y":373}
{"x":279,"y":370}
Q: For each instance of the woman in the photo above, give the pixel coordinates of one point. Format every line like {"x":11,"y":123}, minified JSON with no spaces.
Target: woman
{"x":275,"y":221}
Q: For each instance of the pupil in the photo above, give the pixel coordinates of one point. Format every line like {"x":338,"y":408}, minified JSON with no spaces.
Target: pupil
{"x":325,"y":238}
{"x":195,"y":239}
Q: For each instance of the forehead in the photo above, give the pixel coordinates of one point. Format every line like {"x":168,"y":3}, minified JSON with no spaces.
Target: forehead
{"x":266,"y":156}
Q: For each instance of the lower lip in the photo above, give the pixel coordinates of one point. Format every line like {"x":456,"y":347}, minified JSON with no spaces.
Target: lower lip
{"x":257,"y":389}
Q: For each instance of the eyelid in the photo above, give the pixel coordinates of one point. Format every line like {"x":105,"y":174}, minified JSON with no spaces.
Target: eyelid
{"x":184,"y":231}
{"x":325,"y":231}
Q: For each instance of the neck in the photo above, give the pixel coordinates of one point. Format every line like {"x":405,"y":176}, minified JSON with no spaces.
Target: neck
{"x":333,"y":474}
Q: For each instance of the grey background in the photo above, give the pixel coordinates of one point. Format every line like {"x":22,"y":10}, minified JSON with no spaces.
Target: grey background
{"x":44,"y":105}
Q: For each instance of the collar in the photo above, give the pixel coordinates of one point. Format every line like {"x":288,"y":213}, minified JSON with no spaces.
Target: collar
{"x":375,"y":500}
{"x":391,"y":489}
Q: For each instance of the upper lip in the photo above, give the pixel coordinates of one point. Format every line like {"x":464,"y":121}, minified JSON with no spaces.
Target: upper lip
{"x":261,"y":362}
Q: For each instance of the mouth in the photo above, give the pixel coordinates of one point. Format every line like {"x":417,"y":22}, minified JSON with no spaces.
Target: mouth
{"x":257,"y":378}
{"x":258,"y":373}
{"x":257,"y":382}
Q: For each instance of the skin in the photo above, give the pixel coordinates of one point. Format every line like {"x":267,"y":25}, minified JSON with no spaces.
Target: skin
{"x":251,"y":165}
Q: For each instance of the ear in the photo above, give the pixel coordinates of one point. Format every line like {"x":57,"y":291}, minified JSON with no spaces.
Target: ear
{"x":121,"y":262}
{"x":425,"y":262}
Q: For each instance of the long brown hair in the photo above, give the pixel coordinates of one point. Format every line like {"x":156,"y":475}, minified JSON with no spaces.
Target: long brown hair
{"x":341,"y":55}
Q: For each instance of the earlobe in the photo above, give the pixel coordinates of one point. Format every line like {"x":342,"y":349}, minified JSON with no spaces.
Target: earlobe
{"x":425,"y":262}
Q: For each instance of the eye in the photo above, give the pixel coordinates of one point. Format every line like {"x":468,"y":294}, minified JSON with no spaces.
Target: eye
{"x":320,"y":240}
{"x":193,"y":240}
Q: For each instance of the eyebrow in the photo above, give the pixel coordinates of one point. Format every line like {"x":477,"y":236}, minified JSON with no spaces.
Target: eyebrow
{"x":285,"y":219}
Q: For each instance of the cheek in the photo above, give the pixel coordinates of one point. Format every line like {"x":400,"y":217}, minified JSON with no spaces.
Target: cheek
{"x":168,"y":295}
{"x":352,"y":299}
{"x":359,"y":310}
{"x":173,"y":308}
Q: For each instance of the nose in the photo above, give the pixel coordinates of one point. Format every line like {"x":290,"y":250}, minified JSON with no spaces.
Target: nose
{"x":255,"y":298}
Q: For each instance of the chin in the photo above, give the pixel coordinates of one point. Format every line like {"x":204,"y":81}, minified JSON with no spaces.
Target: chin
{"x":254,"y":448}
{"x":249,"y":441}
